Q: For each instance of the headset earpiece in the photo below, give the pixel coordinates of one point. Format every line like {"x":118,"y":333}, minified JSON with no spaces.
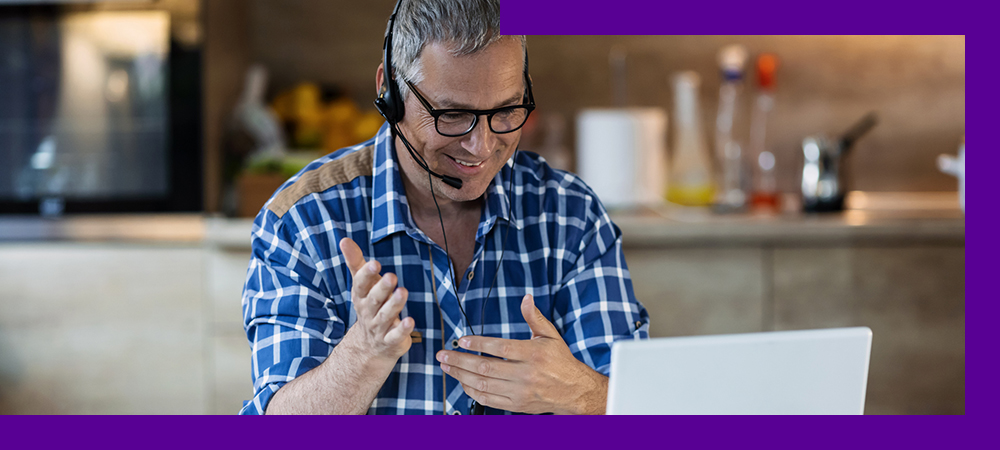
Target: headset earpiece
{"x":392,"y":99}
{"x":389,"y":104}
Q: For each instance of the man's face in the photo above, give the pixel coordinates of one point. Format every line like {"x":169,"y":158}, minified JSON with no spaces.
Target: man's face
{"x":492,"y":78}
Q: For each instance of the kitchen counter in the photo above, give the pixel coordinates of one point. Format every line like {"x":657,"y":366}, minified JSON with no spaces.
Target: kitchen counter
{"x":688,"y":228}
{"x":871,"y":218}
{"x":167,"y":228}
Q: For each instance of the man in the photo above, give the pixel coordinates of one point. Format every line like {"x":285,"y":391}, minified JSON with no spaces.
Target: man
{"x":351,"y":303}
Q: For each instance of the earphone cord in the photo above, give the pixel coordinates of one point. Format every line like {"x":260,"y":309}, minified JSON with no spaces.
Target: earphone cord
{"x":503,"y":245}
{"x":430,"y":184}
{"x":503,"y":250}
{"x":451,"y":266}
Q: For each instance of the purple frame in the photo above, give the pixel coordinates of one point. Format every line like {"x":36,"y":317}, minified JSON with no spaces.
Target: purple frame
{"x":636,"y":17}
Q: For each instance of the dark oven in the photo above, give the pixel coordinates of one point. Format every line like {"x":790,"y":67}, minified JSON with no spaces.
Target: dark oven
{"x":100,"y":107}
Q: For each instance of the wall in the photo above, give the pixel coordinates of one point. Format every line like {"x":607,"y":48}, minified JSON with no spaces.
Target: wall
{"x":225,"y":61}
{"x":825,"y":83}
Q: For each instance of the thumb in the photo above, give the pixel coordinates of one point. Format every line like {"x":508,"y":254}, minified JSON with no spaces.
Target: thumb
{"x":352,"y":255}
{"x":540,"y":326}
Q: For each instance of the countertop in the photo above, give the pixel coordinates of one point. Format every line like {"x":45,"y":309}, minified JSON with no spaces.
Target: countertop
{"x":692,"y":227}
{"x":870,"y":218}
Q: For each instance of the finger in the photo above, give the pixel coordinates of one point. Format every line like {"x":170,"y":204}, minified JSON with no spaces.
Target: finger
{"x":389,"y":312}
{"x":502,"y":348}
{"x":352,"y":255}
{"x":400,"y":331}
{"x":481,"y":365}
{"x":491,"y":400}
{"x":540,"y":326}
{"x":493,"y":386}
{"x":364,"y":280}
{"x":380,"y":293}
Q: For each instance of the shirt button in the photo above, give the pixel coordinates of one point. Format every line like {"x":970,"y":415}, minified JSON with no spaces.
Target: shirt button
{"x":456,"y":413}
{"x":454,"y":343}
{"x":470,"y":275}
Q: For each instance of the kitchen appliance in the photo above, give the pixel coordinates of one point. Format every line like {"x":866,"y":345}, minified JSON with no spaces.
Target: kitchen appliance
{"x":824,"y":177}
{"x":100,"y":107}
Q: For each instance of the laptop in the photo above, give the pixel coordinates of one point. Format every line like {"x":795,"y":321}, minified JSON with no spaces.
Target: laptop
{"x":781,"y":372}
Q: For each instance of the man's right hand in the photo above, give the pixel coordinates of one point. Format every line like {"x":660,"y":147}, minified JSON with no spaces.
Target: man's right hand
{"x":353,"y":373}
{"x":377,"y":301}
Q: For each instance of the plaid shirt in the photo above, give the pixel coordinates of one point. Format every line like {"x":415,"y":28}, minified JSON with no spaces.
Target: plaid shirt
{"x":563,"y":249}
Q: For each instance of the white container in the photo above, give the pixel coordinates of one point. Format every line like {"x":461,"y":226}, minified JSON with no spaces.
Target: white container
{"x":621,"y":154}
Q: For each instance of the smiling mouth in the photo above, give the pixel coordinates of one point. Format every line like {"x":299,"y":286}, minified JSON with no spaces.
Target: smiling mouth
{"x":467,"y":164}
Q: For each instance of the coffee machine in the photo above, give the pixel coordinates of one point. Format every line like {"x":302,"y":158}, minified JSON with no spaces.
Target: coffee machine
{"x":824,"y":178}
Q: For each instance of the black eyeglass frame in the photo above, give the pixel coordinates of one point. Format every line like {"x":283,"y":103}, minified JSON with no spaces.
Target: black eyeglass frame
{"x":489,"y":113}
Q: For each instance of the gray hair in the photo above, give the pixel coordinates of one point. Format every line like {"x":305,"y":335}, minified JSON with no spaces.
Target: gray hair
{"x":469,"y":26}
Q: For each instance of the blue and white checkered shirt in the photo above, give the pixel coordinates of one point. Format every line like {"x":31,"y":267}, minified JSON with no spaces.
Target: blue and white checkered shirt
{"x":563,"y":249}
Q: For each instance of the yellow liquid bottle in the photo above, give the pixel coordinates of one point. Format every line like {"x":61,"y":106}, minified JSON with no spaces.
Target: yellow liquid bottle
{"x":690,"y":181}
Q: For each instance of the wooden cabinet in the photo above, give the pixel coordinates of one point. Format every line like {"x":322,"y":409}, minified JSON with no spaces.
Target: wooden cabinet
{"x":104,"y":328}
{"x":910,"y":292}
{"x":138,"y":326}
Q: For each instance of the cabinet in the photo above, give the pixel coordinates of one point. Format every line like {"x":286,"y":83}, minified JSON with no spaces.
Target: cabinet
{"x":128,"y":317}
{"x":121,"y":328}
{"x":903,"y":279}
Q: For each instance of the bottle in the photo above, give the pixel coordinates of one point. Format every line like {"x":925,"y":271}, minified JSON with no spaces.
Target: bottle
{"x":690,"y":181}
{"x":765,"y":196}
{"x":732,"y":196}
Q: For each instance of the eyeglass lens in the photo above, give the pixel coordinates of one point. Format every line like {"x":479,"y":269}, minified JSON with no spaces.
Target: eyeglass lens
{"x":459,"y":123}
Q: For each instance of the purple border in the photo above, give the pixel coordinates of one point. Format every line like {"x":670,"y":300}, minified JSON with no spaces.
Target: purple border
{"x":635,"y":17}
{"x":727,"y":17}
{"x":506,"y":432}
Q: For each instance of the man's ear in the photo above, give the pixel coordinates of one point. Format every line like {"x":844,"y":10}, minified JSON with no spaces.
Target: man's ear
{"x":379,"y":74}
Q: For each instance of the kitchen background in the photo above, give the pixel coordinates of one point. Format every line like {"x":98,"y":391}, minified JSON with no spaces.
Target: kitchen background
{"x":140,"y":313}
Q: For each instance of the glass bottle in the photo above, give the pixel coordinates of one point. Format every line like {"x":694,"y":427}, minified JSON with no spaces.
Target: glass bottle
{"x":765,"y":196}
{"x":690,"y":181}
{"x":728,"y":149}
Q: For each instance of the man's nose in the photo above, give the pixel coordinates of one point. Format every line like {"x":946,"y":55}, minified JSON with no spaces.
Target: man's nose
{"x":481,"y":141}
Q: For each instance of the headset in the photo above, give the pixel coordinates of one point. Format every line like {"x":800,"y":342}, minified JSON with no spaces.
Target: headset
{"x":390,"y":105}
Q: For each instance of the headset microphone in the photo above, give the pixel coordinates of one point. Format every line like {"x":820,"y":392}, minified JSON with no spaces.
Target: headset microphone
{"x":449,"y":180}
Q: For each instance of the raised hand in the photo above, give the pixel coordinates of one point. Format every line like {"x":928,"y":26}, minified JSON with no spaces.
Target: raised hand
{"x":378,"y":331}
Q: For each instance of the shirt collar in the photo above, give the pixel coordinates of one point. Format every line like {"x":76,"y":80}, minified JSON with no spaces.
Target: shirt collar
{"x":390,"y":210}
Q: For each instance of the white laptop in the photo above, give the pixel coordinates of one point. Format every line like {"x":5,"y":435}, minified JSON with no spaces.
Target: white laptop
{"x":781,"y":372}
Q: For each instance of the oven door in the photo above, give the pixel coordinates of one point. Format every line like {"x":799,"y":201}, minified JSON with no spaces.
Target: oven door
{"x":99,"y":111}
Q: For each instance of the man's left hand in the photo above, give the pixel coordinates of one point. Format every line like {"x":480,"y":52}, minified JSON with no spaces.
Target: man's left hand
{"x":535,"y":376}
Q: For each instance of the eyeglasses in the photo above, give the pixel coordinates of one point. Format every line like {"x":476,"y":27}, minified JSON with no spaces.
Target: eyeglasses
{"x":459,"y":122}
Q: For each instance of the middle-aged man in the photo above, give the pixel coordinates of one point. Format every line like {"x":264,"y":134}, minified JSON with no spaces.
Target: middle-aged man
{"x":351,"y":303}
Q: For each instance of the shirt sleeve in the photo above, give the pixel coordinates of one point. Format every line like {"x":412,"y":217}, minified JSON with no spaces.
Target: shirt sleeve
{"x":291,"y":323}
{"x":595,"y":304}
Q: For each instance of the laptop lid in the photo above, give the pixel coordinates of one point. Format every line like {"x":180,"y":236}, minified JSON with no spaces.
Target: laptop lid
{"x":781,"y":372}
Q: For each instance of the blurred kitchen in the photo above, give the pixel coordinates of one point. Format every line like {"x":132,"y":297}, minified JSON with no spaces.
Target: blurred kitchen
{"x":814,"y":181}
